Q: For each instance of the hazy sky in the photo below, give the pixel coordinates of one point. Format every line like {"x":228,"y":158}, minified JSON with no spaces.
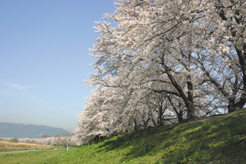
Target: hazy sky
{"x":44,"y":59}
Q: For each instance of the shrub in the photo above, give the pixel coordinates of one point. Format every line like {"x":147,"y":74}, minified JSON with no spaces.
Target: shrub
{"x":14,"y":140}
{"x":33,"y":141}
{"x":45,"y":136}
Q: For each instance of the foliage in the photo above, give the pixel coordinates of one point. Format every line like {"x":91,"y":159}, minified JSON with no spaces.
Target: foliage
{"x":14,"y":140}
{"x":27,"y":141}
{"x":64,"y":141}
{"x":217,"y":139}
{"x":32,"y":141}
{"x":165,"y":60}
{"x":45,"y":136}
{"x":59,"y":140}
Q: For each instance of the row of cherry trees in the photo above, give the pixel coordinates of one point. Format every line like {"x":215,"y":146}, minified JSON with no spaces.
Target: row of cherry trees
{"x":165,"y":60}
{"x":61,"y":140}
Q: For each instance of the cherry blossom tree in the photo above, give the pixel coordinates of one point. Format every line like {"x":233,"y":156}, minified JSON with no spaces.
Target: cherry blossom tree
{"x":120,"y":47}
{"x":226,"y":32}
{"x":183,"y":57}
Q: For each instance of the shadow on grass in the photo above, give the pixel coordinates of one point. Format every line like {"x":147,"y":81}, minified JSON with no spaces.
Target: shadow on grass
{"x":221,"y":139}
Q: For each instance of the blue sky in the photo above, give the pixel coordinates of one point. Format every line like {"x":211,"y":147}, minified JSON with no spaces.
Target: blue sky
{"x":44,"y":59}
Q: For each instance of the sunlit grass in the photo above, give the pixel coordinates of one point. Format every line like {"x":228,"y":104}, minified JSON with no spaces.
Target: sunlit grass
{"x":221,"y":139}
{"x":30,"y":156}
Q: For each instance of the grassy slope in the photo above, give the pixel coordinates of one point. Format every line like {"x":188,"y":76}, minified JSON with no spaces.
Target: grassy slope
{"x":221,"y":139}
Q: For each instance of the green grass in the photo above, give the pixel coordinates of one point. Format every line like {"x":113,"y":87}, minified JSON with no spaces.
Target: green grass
{"x":221,"y":139}
{"x":30,"y":156}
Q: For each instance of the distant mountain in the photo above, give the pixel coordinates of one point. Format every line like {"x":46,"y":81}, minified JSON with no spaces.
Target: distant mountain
{"x":27,"y":131}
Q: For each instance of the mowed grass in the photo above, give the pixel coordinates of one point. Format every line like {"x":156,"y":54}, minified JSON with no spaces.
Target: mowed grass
{"x":30,"y":157}
{"x":220,"y":139}
{"x":16,"y":146}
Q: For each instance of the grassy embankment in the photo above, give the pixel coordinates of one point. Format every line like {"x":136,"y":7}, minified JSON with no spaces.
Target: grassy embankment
{"x":220,"y":139}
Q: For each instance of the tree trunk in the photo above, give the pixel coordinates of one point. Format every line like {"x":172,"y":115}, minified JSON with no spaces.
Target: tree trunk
{"x":232,"y":106}
{"x":180,"y":116}
{"x":188,"y":101}
{"x":240,"y":47}
{"x":190,"y":106}
{"x":160,"y":121}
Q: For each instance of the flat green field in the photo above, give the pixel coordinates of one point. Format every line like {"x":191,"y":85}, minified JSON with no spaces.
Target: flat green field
{"x":218,"y":139}
{"x":30,"y":156}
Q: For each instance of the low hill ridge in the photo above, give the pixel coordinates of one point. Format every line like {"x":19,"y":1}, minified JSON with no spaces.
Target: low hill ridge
{"x":11,"y":130}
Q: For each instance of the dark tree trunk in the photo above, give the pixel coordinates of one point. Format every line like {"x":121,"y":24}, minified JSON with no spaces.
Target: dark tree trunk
{"x":180,"y":116}
{"x":188,"y":101}
{"x":153,"y":121}
{"x":232,"y":106}
{"x":135,"y":125}
{"x":160,"y":119}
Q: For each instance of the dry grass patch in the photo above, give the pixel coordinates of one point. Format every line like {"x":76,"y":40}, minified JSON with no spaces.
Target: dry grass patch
{"x":10,"y":146}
